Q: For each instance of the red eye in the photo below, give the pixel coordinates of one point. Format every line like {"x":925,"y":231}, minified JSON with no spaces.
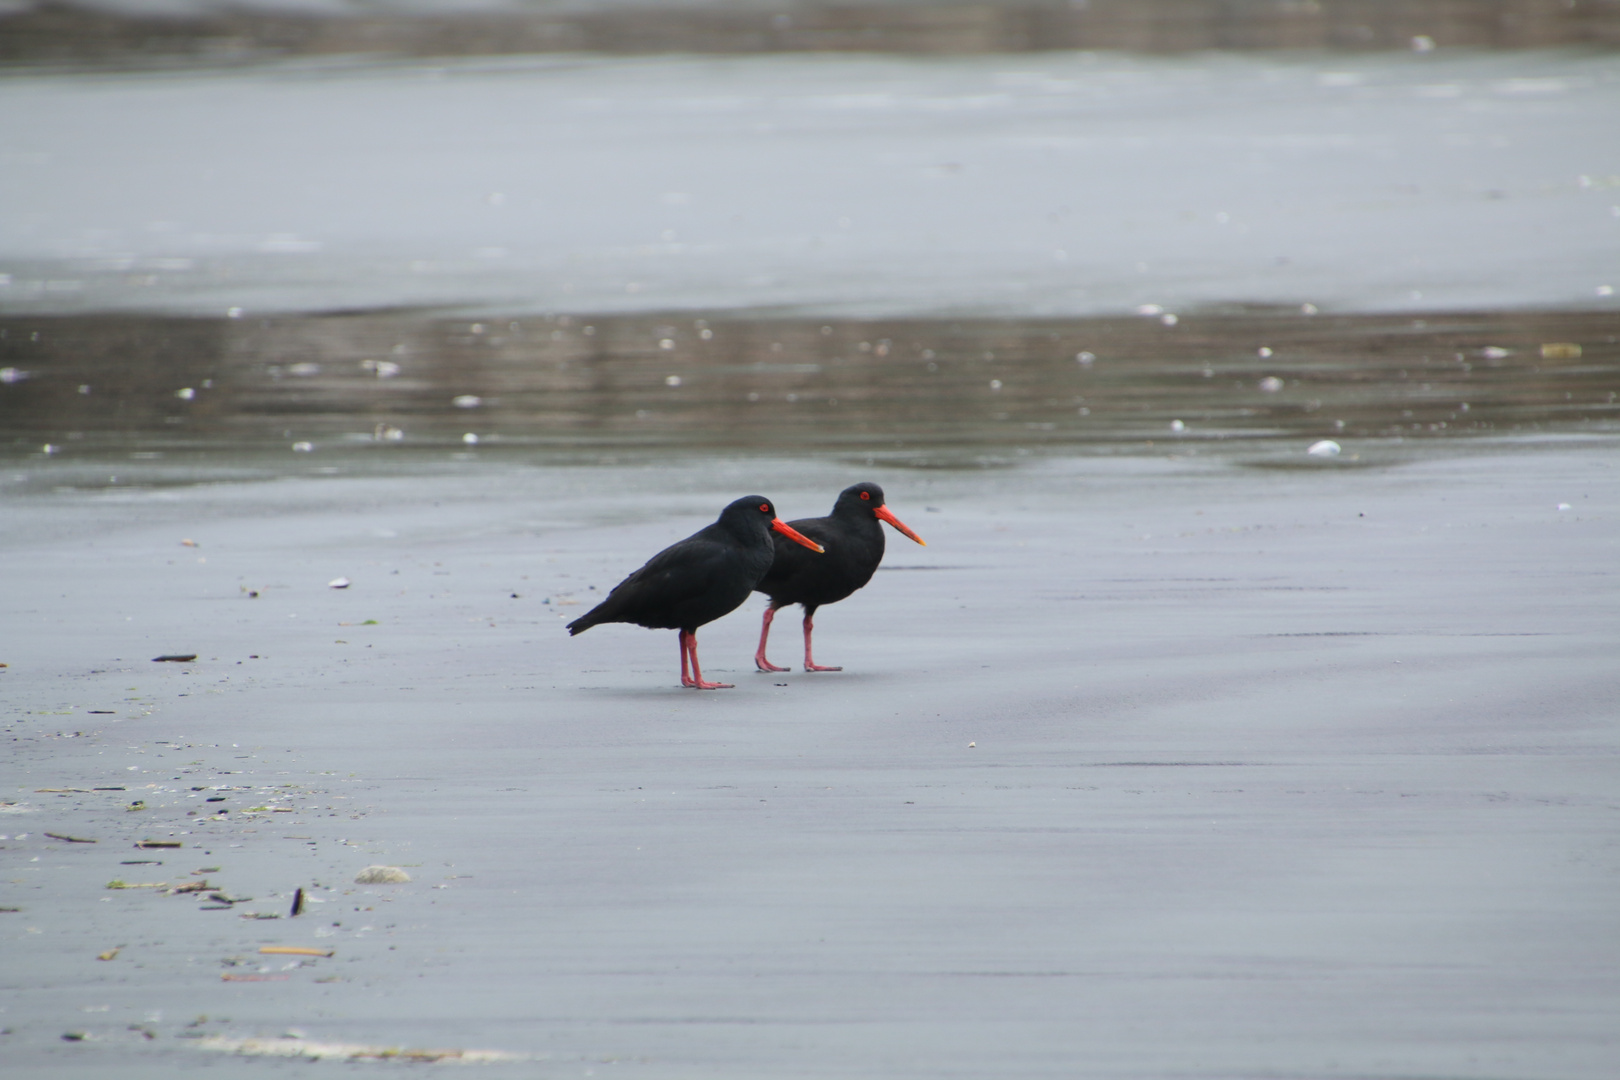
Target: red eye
{"x":764,"y":508}
{"x":866,"y":494}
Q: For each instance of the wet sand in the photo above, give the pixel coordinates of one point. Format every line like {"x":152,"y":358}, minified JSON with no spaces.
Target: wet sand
{"x":1145,"y":766}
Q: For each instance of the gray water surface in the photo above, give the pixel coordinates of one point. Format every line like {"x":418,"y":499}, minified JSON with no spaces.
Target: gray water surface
{"x":1050,"y":184}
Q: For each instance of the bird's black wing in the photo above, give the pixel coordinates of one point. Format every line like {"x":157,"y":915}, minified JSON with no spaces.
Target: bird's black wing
{"x":666,"y":591}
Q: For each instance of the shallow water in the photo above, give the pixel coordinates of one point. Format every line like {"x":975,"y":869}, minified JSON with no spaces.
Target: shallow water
{"x":1051,"y":185}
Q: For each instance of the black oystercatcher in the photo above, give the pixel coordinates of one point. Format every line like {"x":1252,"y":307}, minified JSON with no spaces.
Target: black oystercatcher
{"x":698,"y":580}
{"x":854,"y":542}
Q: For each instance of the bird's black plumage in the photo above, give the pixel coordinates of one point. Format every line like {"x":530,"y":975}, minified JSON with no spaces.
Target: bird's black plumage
{"x":697,"y":580}
{"x":853,"y":538}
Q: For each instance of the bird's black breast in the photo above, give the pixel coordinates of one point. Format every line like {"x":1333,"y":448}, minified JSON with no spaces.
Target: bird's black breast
{"x":799,"y":576}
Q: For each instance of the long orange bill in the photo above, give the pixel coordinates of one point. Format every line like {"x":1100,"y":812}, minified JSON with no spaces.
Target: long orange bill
{"x":798,"y":537}
{"x":884,"y":514}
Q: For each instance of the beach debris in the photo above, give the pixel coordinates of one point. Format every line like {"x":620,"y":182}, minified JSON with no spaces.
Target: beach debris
{"x":1178,"y":425}
{"x":69,"y":839}
{"x":147,"y":844}
{"x":466,"y":401}
{"x":384,"y":432}
{"x":188,"y":543}
{"x":110,"y":953}
{"x":185,"y":393}
{"x":174,"y":658}
{"x":138,"y":804}
{"x":192,"y":886}
{"x":74,"y":1036}
{"x":294,"y":950}
{"x":382,"y":875}
{"x":338,"y":583}
{"x":1270,"y":384}
{"x":119,"y":883}
{"x":258,"y":915}
{"x":1560,"y":350}
{"x":470,"y":439}
{"x":1561,"y":506}
{"x":289,"y":1046}
{"x":298,"y":903}
{"x":1323,"y":448}
{"x":228,"y":977}
{"x":972,"y":745}
{"x":303,"y":447}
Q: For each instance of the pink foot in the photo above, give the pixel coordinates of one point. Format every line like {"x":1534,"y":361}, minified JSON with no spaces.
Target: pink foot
{"x":695,"y":680}
{"x":809,"y":663}
{"x":765,"y":632}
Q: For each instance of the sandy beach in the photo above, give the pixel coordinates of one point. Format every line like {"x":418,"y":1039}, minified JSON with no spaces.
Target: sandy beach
{"x":1145,"y":766}
{"x":1251,"y":713}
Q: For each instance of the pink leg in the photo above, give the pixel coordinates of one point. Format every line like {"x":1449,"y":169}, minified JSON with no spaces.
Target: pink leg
{"x":689,"y":645}
{"x":810,"y":664}
{"x":686,"y":678}
{"x":765,"y":632}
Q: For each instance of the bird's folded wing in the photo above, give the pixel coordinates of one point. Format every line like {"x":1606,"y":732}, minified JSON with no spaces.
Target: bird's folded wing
{"x":687,"y":569}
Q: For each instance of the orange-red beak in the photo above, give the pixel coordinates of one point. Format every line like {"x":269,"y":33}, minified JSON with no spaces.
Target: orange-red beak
{"x":884,"y":514}
{"x":799,"y":538}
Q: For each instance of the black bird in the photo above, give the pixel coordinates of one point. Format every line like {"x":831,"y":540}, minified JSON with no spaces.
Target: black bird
{"x":854,"y":542}
{"x":697,"y":580}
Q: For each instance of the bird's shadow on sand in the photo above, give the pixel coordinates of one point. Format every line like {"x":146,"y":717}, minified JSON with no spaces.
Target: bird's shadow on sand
{"x":743,"y":680}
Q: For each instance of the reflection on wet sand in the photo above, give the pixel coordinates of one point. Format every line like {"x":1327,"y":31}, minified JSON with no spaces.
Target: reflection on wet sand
{"x":923,"y":392}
